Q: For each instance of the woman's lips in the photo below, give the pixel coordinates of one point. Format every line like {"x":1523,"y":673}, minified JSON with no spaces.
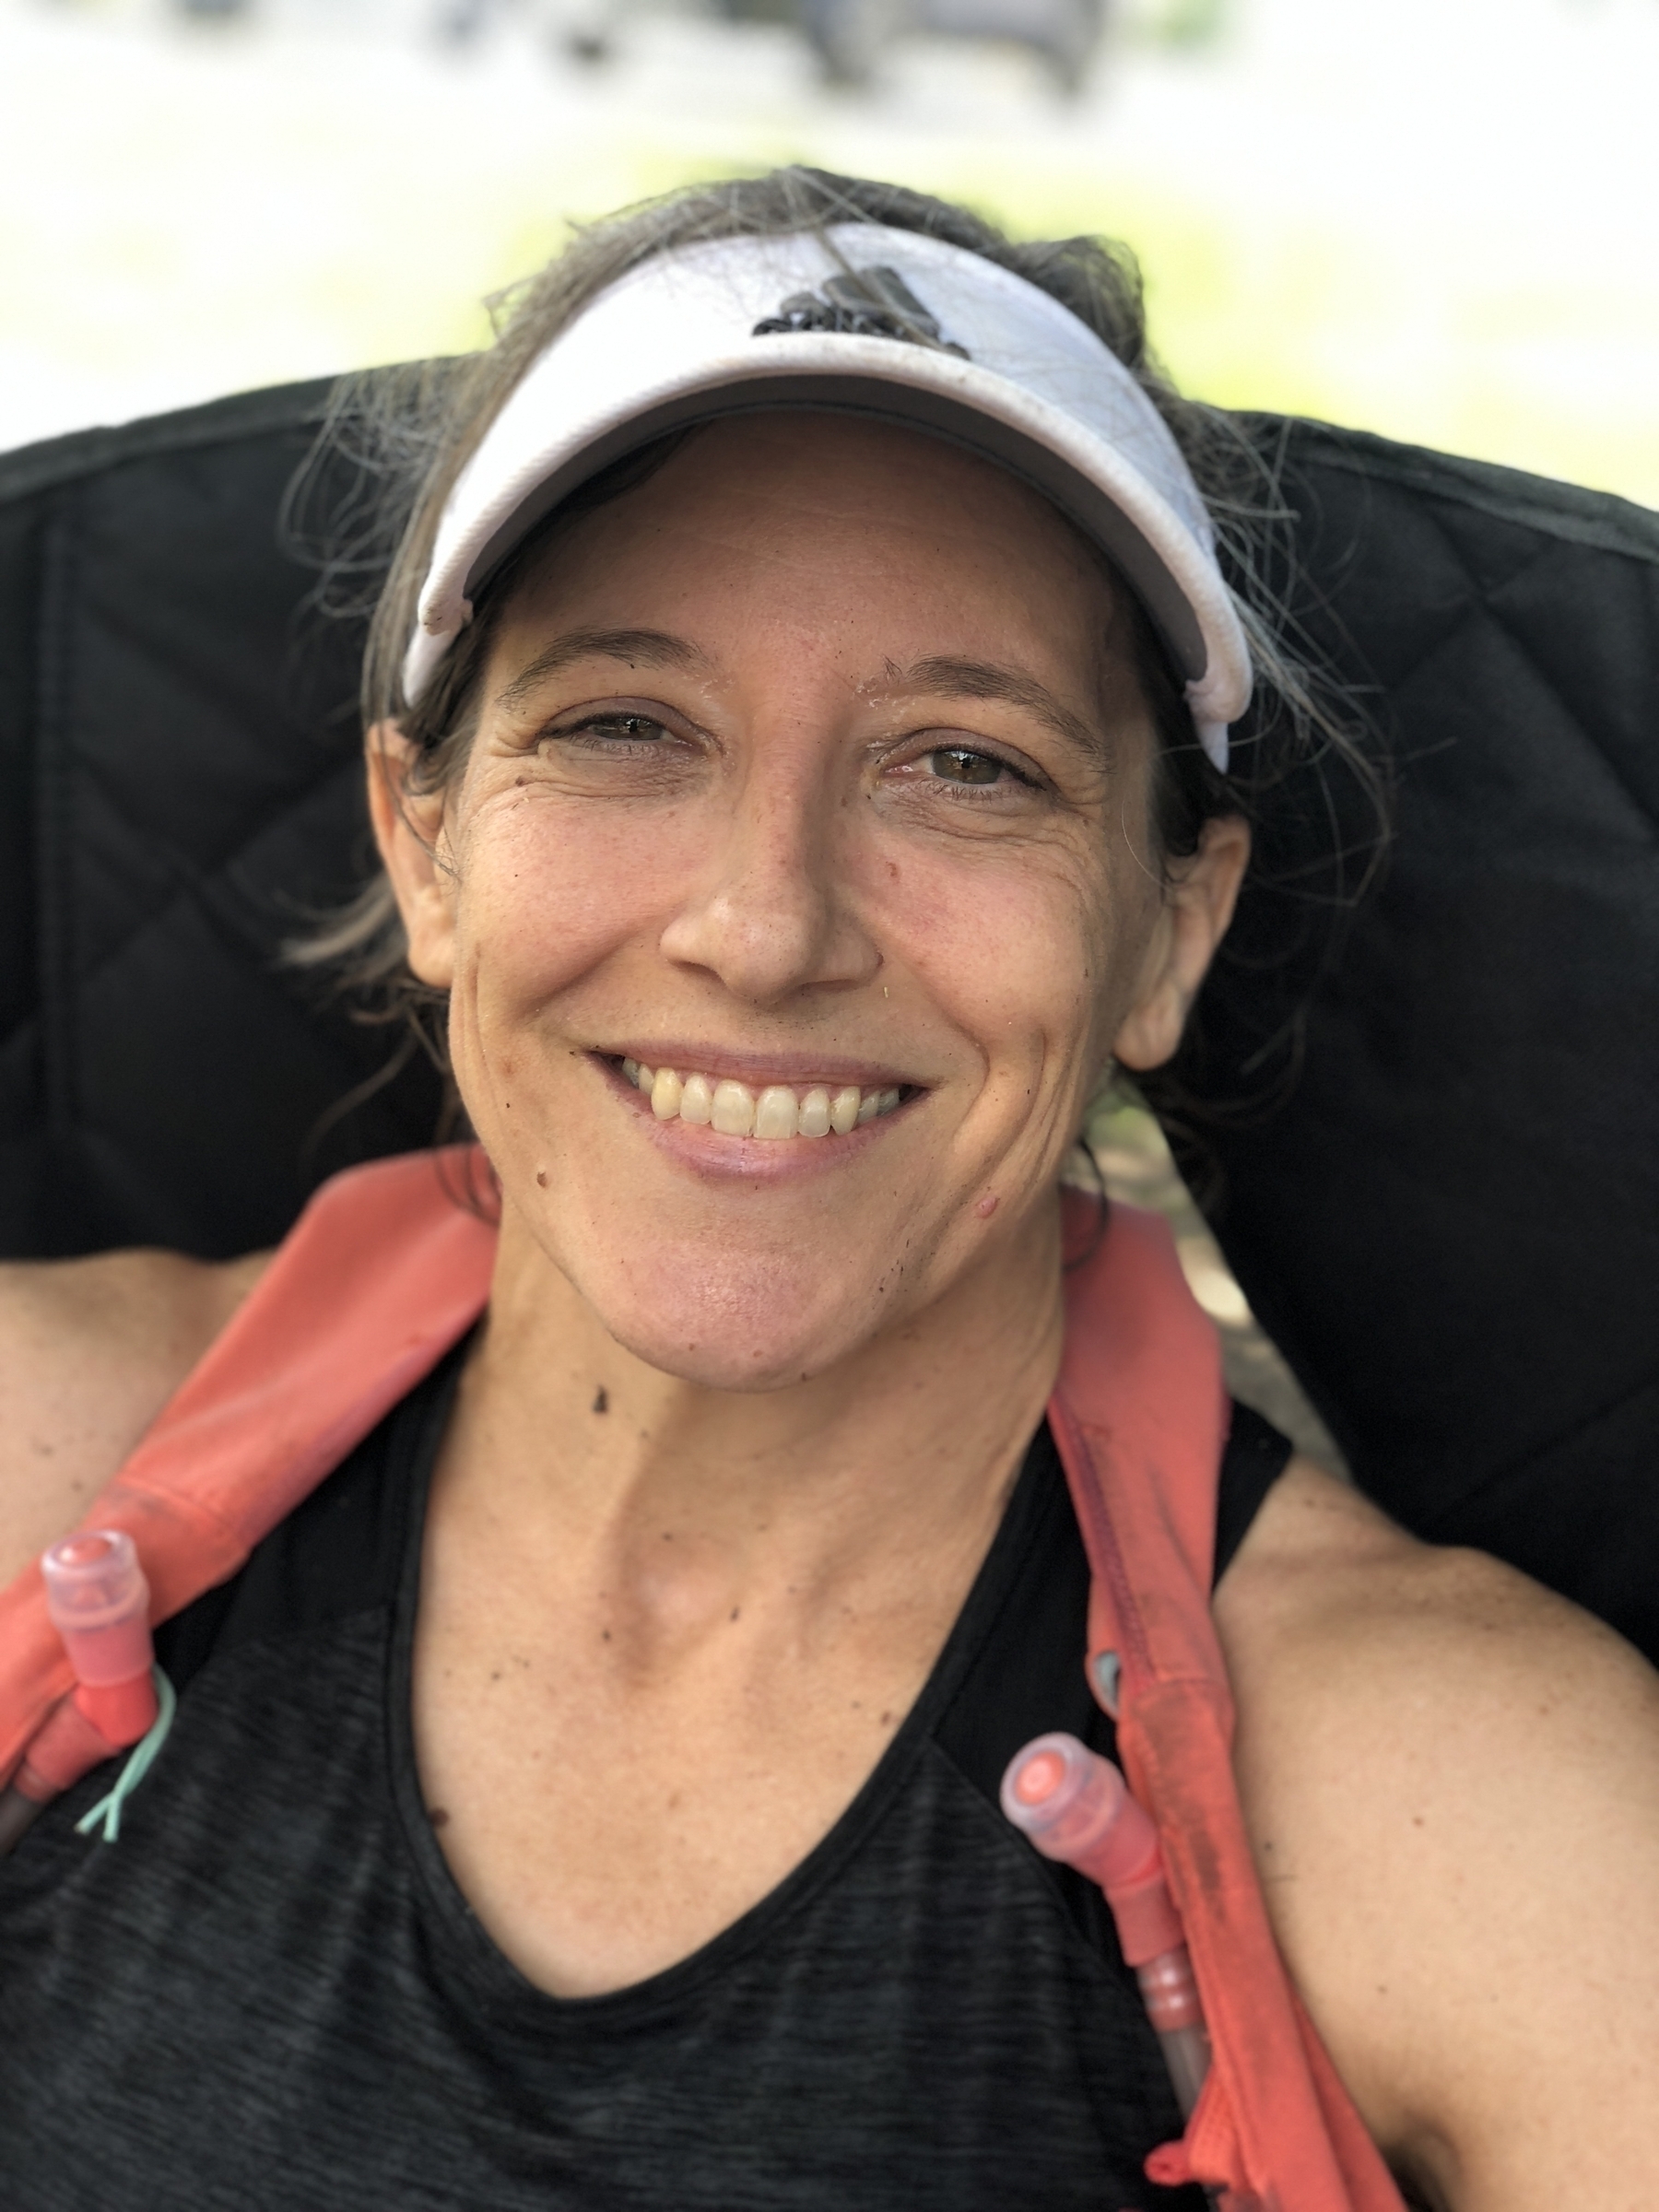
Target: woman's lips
{"x":738,"y":1129}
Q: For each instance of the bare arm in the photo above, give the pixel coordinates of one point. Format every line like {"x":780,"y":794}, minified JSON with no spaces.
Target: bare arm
{"x":1451,"y":1781}
{"x":90,"y":1350}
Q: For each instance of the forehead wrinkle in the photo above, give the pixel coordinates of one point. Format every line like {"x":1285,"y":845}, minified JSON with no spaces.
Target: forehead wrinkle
{"x":943,"y":676}
{"x":637,"y":648}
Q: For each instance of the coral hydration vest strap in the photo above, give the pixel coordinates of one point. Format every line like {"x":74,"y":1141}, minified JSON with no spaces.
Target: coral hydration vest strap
{"x":384,"y":1270}
{"x":1140,"y":1416}
{"x":387,"y":1268}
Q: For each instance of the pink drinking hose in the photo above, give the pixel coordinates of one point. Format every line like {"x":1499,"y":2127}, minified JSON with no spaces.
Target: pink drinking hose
{"x":100,"y":1604}
{"x":1075,"y":1806}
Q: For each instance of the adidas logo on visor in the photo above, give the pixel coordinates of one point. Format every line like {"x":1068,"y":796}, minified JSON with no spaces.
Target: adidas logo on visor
{"x":865,"y":303}
{"x":1034,"y":388}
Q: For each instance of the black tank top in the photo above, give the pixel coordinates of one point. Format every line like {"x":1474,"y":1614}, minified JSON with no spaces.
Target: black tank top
{"x":270,"y":1996}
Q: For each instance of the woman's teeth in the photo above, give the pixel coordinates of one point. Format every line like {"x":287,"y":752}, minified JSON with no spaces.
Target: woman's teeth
{"x":776,"y":1111}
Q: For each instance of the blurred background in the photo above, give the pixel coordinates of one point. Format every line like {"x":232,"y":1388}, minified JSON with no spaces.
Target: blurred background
{"x":1434,"y":219}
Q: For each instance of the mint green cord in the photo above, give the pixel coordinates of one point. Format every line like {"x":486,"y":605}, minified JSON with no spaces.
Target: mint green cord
{"x":140,"y":1762}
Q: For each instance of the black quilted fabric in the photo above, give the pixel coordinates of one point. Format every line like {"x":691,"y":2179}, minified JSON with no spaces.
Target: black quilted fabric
{"x":1450,"y":1218}
{"x":1452,"y":1227}
{"x":180,"y":749}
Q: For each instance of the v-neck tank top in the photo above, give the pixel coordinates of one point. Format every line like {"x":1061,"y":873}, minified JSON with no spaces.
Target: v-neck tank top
{"x":271,"y":1996}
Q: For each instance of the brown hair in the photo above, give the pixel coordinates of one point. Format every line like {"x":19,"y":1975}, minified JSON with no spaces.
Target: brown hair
{"x":408,"y":433}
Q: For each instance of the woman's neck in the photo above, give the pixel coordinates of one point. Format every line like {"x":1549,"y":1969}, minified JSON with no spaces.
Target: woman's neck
{"x":666,"y":1632}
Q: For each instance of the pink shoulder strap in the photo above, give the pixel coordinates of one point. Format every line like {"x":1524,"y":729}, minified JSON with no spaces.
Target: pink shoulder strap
{"x":384,"y":1270}
{"x":1139,"y":1416}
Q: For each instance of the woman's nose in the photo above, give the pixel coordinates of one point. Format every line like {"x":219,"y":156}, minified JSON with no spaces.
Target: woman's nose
{"x":772,"y":914}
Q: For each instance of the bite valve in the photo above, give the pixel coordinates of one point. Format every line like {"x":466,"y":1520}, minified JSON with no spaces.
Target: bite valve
{"x":98,"y":1602}
{"x":1075,"y":1806}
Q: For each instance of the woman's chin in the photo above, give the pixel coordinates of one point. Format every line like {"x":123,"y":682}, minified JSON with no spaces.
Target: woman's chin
{"x":734,"y":1323}
{"x":738,"y":1336}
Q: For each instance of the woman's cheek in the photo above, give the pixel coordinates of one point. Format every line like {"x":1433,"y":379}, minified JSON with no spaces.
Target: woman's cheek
{"x":547,"y":891}
{"x":1011,"y":955}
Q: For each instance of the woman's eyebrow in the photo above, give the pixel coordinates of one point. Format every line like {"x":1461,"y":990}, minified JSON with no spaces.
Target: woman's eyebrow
{"x":944,"y":676}
{"x":647,"y":648}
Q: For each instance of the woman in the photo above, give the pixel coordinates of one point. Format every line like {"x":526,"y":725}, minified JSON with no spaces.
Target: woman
{"x":797,"y":746}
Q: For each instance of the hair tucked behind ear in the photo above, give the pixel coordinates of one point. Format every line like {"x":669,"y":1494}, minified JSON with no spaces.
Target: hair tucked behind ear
{"x":405,"y":434}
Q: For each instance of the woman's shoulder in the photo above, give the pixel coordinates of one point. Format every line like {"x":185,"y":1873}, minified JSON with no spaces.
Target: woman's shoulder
{"x":1333,"y":1617}
{"x":90,"y":1350}
{"x":1451,"y":1781}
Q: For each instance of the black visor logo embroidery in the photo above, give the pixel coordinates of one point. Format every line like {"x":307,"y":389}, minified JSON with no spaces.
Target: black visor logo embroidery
{"x":863,"y":304}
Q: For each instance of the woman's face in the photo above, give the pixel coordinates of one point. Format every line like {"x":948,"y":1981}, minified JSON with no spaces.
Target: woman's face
{"x":816,"y":765}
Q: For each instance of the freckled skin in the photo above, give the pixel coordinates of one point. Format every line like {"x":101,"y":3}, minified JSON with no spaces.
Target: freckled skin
{"x":731,"y":785}
{"x":784,"y":866}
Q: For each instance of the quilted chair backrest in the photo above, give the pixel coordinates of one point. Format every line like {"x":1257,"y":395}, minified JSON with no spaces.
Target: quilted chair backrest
{"x":1452,"y":1225}
{"x":180,"y":754}
{"x":1428,"y":1132}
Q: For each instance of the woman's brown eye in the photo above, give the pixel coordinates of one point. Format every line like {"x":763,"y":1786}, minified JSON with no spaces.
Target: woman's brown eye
{"x":958,"y":765}
{"x":639,"y":728}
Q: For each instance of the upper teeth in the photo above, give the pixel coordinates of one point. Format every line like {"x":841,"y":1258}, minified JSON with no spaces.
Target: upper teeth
{"x":774,"y":1111}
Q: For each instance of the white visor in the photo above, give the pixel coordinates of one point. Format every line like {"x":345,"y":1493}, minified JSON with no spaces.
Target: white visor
{"x":857,"y":320}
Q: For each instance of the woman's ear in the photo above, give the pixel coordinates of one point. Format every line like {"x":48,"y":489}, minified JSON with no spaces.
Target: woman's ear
{"x":1198,"y":905}
{"x":408,"y":829}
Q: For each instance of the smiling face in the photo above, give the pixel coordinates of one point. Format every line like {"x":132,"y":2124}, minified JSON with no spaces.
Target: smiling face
{"x":812,"y":777}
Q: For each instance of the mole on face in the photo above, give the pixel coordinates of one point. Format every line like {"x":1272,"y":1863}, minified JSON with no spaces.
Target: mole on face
{"x":602,"y":1400}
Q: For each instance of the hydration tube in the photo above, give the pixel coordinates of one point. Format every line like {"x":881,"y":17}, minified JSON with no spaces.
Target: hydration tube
{"x":98,"y":1602}
{"x":1075,"y":1806}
